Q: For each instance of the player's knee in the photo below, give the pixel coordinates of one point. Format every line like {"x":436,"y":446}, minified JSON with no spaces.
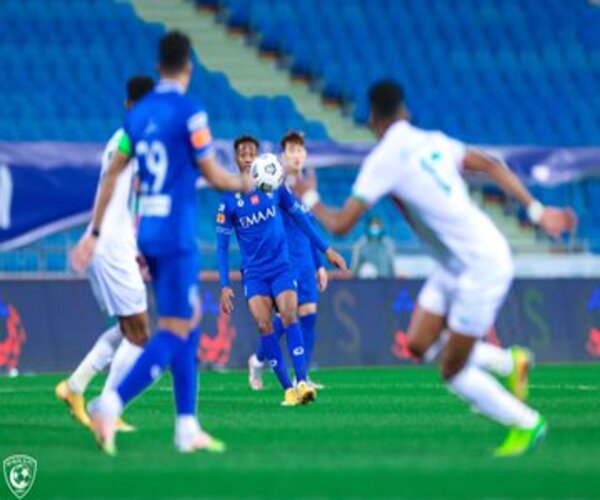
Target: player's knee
{"x":265,"y":325}
{"x":288,"y":316}
{"x":450,"y":365}
{"x":136,"y":329}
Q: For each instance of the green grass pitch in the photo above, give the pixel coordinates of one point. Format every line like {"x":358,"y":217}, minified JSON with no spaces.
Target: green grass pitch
{"x":385,"y":432}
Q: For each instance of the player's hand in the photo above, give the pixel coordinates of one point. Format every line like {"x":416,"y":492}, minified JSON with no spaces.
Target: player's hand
{"x":336,"y":259}
{"x":227,"y":300}
{"x":143,"y":265}
{"x":556,"y":221}
{"x":82,"y":252}
{"x":307,"y":182}
{"x":322,"y":279}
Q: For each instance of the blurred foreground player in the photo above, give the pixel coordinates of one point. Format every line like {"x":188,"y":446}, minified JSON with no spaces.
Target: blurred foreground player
{"x":117,"y":284}
{"x":268,"y":278}
{"x":169,"y":135}
{"x":421,"y":170}
{"x":306,"y":261}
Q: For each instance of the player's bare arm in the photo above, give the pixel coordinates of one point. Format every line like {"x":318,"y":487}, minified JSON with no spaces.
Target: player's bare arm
{"x":221,"y":179}
{"x":338,"y":221}
{"x":83,"y":251}
{"x":551,"y":219}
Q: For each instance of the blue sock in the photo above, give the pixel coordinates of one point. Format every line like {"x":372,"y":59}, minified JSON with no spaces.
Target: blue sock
{"x":296,"y":349}
{"x":184,"y":368}
{"x":278,"y":330}
{"x":158,"y":353}
{"x":276,"y":360}
{"x":308,"y":323}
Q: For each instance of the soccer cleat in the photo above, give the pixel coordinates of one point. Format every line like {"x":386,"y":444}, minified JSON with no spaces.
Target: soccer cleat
{"x":306,"y":393}
{"x":315,"y":385}
{"x":201,"y":441}
{"x":104,"y":428}
{"x":123,"y":426}
{"x":75,"y":402}
{"x":290,"y":397}
{"x":255,"y":369}
{"x":517,"y":381}
{"x":311,"y":383}
{"x":520,"y":441}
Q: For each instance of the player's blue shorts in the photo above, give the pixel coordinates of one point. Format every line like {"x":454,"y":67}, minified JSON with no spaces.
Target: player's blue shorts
{"x":272,"y":284}
{"x":308,"y":293}
{"x":175,"y":284}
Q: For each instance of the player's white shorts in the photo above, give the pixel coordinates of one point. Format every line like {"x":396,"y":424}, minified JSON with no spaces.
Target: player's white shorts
{"x":470,"y":300}
{"x":118,"y":285}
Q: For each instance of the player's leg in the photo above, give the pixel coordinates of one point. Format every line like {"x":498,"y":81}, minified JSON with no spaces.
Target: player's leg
{"x":307,"y":315}
{"x":71,"y":390}
{"x":261,"y":307}
{"x":175,"y":309}
{"x":136,"y":330}
{"x":429,"y":317}
{"x":284,"y":287}
{"x":472,"y":313}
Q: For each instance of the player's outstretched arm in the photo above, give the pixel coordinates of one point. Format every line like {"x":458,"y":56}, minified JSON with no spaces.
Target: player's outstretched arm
{"x":224,"y":228}
{"x":83,"y":251}
{"x":338,"y":221}
{"x":552,"y":220}
{"x":220,"y":178}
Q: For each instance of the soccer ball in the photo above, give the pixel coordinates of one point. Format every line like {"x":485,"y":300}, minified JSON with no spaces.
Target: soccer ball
{"x":267,"y":173}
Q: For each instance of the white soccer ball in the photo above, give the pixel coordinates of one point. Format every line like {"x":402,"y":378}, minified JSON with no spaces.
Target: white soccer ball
{"x":267,"y":173}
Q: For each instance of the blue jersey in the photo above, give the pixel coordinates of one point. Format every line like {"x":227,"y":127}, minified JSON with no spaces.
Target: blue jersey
{"x":303,"y":253}
{"x":168,"y":132}
{"x":256,"y":220}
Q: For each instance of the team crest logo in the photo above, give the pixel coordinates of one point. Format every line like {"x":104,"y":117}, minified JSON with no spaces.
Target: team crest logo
{"x":19,"y":472}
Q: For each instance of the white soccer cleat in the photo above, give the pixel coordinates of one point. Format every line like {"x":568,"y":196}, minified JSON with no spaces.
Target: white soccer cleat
{"x":103,"y":426}
{"x":201,"y":441}
{"x":255,"y":373}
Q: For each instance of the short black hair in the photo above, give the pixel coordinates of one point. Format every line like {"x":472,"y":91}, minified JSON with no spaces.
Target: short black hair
{"x":245,"y":138}
{"x":174,"y":51}
{"x":386,"y":97}
{"x":138,"y":86}
{"x":292,"y":137}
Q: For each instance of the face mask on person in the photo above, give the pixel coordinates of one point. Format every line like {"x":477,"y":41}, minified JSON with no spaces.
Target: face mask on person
{"x":375,"y":231}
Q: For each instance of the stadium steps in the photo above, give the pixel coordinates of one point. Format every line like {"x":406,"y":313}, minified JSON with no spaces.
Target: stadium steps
{"x":249,"y":73}
{"x":522,"y":238}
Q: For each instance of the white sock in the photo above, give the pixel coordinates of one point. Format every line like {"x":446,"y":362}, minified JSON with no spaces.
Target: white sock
{"x":110,"y":404}
{"x":488,"y":397}
{"x":255,"y":362}
{"x":125,"y":357}
{"x":95,"y":360}
{"x":491,"y":358}
{"x":186,"y":427}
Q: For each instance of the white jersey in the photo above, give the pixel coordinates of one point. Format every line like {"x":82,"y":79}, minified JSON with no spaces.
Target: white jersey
{"x":421,"y":170}
{"x":117,"y":238}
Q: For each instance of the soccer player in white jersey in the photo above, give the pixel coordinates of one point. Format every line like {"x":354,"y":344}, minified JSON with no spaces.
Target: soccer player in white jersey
{"x":421,"y":170}
{"x":117,"y":284}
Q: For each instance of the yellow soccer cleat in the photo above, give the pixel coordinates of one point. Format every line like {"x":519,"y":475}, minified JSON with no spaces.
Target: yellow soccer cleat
{"x":517,"y":381}
{"x":290,"y":397}
{"x":306,"y":393}
{"x":123,"y":426}
{"x":75,"y":402}
{"x":104,"y":429}
{"x":520,"y":441}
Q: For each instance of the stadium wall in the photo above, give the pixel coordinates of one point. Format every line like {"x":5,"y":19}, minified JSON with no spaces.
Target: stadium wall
{"x":49,"y":325}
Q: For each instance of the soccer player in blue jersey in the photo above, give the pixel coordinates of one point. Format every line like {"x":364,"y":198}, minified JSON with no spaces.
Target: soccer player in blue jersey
{"x":168,"y":134}
{"x":306,"y":261}
{"x":267,"y":274}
